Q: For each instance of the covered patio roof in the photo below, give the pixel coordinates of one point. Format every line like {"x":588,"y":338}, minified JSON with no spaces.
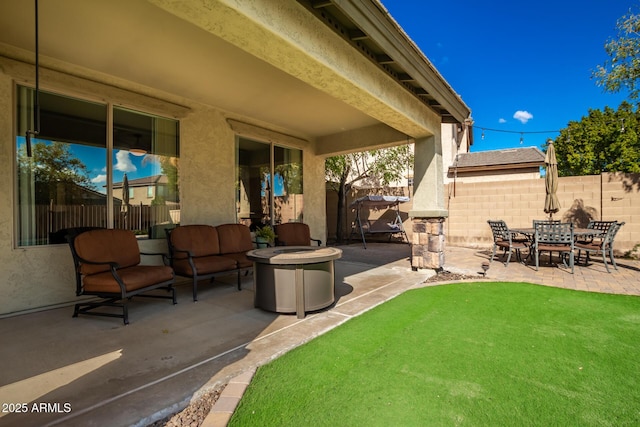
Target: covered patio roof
{"x":249,"y":59}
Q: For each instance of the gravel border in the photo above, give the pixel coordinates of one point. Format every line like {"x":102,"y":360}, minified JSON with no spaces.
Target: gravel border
{"x":194,"y":414}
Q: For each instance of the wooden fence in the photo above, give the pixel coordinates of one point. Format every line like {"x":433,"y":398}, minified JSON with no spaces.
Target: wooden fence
{"x":138,"y":218}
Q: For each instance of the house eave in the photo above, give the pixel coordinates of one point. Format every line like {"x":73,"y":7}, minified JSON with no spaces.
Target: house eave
{"x":412,"y":69}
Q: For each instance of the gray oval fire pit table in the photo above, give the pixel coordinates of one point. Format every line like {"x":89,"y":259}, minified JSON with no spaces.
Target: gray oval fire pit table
{"x":294,"y":279}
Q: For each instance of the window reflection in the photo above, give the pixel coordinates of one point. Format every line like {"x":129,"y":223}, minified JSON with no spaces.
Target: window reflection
{"x":287,"y":184}
{"x":253,"y":184}
{"x":269,"y":187}
{"x":66,"y":181}
{"x":60,"y":186}
{"x":145,"y":151}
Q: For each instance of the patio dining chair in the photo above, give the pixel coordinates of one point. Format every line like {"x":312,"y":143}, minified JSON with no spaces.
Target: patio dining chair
{"x":545,"y":221}
{"x":602,"y":226}
{"x":294,"y":234}
{"x":554,"y":237}
{"x":504,"y":238}
{"x":603,"y":245}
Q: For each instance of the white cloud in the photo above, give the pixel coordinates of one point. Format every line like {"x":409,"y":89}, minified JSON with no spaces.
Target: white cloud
{"x":502,"y":120}
{"x":523,"y":116}
{"x":99,"y":179}
{"x":123,"y":162}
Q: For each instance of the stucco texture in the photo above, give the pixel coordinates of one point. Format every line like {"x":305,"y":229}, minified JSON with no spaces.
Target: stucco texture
{"x":38,"y":277}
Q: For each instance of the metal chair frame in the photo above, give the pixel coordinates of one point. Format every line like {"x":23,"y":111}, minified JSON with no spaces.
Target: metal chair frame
{"x":121,"y":298}
{"x":503,"y":238}
{"x":604,"y":245}
{"x":554,"y":237}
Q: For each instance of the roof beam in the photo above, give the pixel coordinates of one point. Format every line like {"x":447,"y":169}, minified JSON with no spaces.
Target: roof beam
{"x":384,"y":59}
{"x":320,"y":4}
{"x":375,"y":21}
{"x":357,"y":34}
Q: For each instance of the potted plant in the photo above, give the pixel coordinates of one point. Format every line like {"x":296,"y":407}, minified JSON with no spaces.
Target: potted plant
{"x":265,"y":236}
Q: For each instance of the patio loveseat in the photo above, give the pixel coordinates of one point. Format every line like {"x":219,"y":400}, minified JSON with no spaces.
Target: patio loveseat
{"x":107,"y":266}
{"x":203,"y":251}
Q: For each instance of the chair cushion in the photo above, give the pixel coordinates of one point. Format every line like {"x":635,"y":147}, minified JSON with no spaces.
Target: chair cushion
{"x":241,"y":259}
{"x":554,"y":248}
{"x":134,"y":278}
{"x":234,"y":238}
{"x":514,"y":245}
{"x":591,"y":246}
{"x":107,"y":245}
{"x":293,"y":234}
{"x":200,"y":240}
{"x":204,"y":265}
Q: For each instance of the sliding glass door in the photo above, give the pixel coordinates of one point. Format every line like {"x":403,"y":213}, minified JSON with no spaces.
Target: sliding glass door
{"x":269,"y":186}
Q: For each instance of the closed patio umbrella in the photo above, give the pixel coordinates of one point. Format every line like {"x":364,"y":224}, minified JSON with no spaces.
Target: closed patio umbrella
{"x":125,"y":198}
{"x":551,"y":202}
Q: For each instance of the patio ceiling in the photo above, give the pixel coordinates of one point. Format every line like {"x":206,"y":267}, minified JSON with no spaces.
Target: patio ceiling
{"x":152,"y":46}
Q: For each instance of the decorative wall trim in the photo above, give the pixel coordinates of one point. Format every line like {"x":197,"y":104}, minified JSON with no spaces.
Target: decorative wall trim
{"x":263,"y":134}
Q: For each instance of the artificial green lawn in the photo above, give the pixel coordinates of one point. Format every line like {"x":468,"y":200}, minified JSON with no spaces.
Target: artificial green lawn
{"x":475,"y":354}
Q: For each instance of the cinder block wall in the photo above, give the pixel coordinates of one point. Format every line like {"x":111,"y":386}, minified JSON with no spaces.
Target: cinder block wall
{"x":610,"y":196}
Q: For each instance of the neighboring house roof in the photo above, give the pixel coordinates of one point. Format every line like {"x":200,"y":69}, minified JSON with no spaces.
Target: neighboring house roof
{"x":513,"y":158}
{"x":143,"y":182}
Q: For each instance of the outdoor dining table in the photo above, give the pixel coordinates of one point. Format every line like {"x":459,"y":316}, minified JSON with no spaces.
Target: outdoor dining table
{"x":578,"y":232}
{"x":530,"y":232}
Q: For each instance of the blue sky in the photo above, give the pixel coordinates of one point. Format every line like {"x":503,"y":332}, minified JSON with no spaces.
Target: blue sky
{"x":504,"y":57}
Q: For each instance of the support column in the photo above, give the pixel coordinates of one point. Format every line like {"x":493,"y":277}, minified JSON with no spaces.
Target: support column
{"x":427,"y":245}
{"x":429,"y":212}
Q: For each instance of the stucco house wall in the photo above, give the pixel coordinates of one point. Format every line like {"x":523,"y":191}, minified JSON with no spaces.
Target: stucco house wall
{"x":274,"y":71}
{"x":43,"y":276}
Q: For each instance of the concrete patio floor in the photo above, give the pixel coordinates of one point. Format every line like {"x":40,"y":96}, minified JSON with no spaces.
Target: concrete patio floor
{"x":93,"y":371}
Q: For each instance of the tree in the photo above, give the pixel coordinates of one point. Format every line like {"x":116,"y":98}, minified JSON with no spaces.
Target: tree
{"x":623,"y":69}
{"x":170,"y":167}
{"x":57,"y":173}
{"x":602,"y":141}
{"x":375,"y":167}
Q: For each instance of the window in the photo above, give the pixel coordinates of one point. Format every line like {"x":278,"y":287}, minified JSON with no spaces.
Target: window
{"x":68,"y":183}
{"x":269,"y":186}
{"x":149,"y":192}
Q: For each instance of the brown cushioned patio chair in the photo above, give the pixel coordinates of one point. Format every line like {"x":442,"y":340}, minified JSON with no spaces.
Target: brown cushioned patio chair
{"x":602,"y":226}
{"x":195,"y":253}
{"x":107,"y":266}
{"x":294,"y":234}
{"x":554,"y":237}
{"x":503,"y":238}
{"x":603,"y":244}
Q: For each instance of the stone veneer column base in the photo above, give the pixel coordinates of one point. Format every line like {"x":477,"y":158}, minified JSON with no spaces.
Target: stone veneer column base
{"x":427,"y":245}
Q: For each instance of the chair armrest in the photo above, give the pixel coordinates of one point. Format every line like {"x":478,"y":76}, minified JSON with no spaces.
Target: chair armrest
{"x":165,"y":257}
{"x":109,"y":263}
{"x":319,"y":242}
{"x":78,"y":261}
